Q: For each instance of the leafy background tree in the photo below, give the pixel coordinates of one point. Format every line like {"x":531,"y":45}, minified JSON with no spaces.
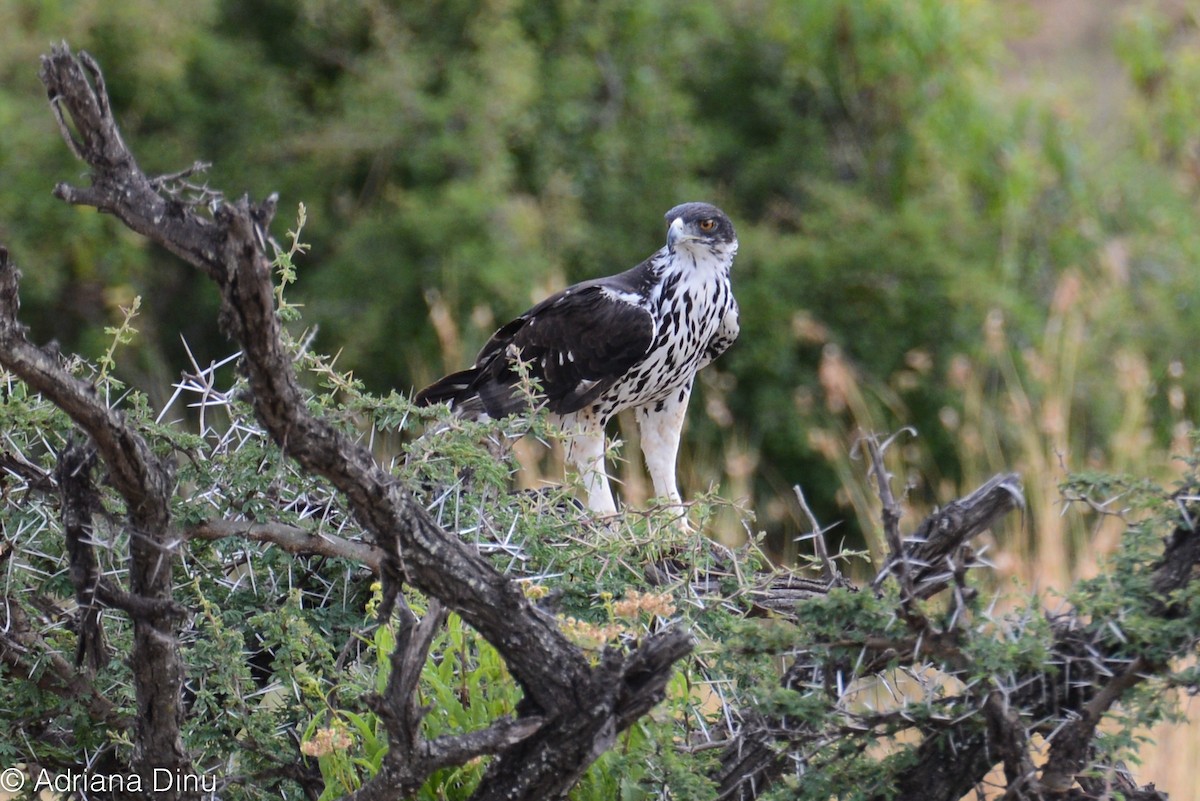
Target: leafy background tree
{"x":924,"y":240}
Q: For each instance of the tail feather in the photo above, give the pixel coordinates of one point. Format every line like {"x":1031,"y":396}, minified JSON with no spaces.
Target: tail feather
{"x":472,"y":393}
{"x":453,"y":389}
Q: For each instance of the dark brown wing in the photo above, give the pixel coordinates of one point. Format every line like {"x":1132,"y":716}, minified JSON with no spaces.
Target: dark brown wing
{"x":577,"y":344}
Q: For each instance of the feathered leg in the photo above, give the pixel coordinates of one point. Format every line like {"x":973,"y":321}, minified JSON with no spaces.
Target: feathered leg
{"x":585,"y":450}
{"x":660,"y":424}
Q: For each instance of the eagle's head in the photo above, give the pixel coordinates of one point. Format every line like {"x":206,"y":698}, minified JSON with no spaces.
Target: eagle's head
{"x":701,"y":227}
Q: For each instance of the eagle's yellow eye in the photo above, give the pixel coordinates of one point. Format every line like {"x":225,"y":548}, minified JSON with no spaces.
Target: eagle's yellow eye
{"x":707,"y":225}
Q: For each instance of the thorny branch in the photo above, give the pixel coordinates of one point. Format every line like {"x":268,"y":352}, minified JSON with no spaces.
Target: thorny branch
{"x":940,"y":546}
{"x":578,"y":707}
{"x":763,"y":748}
{"x":1010,"y":743}
{"x":1084,"y":678}
{"x":829,"y":570}
{"x":1070,"y":750}
{"x":146,"y":484}
{"x":890,"y":515}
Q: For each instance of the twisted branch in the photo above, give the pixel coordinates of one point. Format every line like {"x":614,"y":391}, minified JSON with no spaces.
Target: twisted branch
{"x":582,"y":707}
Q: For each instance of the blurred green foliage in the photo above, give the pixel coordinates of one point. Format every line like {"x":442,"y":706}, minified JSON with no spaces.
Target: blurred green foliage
{"x":464,"y":158}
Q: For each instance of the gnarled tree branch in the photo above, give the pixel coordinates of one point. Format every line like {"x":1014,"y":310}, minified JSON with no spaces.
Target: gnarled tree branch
{"x":146,"y":484}
{"x":582,"y":706}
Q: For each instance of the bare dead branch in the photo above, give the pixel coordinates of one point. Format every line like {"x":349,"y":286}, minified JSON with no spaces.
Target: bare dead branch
{"x":292,"y":539}
{"x":930,"y":550}
{"x":118,"y":185}
{"x":161,"y":181}
{"x":890,"y":514}
{"x":829,"y":570}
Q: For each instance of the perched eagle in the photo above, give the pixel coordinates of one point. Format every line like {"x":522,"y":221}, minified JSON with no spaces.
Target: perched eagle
{"x":632,"y":340}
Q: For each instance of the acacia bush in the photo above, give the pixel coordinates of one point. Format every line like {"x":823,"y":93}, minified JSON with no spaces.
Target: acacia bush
{"x":283,"y":647}
{"x":255,"y":599}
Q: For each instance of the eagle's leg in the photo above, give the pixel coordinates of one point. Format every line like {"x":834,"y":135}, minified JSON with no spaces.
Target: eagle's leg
{"x":585,"y":450}
{"x":660,"y":423}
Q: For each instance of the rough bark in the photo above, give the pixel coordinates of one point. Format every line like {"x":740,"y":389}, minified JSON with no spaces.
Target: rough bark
{"x":578,"y":708}
{"x":146,"y":485}
{"x":79,"y":502}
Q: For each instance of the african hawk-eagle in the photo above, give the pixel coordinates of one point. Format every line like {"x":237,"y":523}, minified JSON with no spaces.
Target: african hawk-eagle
{"x":632,"y":340}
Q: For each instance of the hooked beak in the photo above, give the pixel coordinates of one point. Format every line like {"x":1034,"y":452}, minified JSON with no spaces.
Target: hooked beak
{"x":676,"y":235}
